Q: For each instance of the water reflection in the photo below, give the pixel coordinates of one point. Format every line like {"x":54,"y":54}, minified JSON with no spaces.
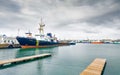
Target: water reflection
{"x":35,"y":51}
{"x":18,"y":53}
{"x":67,"y":60}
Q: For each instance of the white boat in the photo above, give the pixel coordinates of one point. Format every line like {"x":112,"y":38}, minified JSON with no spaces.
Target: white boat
{"x":8,"y":42}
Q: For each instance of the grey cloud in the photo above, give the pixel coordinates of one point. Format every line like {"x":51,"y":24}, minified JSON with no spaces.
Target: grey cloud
{"x":98,"y":20}
{"x":104,"y":19}
{"x":9,"y":10}
{"x":9,"y":6}
{"x":61,"y":14}
{"x":93,"y":2}
{"x":89,"y":31}
{"x":77,"y":3}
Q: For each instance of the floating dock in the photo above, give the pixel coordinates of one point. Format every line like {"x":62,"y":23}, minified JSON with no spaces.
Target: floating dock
{"x":23,"y":59}
{"x":95,"y":68}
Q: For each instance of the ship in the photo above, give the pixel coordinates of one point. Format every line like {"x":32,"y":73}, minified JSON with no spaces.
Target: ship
{"x":97,"y":42}
{"x":40,"y":40}
{"x":8,"y":42}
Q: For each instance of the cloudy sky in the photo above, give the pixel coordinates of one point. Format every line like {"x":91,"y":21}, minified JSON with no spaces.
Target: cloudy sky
{"x":67,"y":19}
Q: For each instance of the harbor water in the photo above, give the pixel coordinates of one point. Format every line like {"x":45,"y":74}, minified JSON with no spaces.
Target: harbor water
{"x":65,"y":60}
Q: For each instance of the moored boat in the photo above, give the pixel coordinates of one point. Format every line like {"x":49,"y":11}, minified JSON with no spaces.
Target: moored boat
{"x":116,"y":42}
{"x":72,"y":43}
{"x":27,"y":42}
{"x":8,"y":42}
{"x":97,"y":42}
{"x":40,"y":40}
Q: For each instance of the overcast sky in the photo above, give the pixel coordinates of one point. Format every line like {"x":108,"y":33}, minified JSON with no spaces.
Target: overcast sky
{"x":67,"y":19}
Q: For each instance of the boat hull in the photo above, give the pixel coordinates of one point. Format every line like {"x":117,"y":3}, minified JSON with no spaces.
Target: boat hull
{"x":45,"y":46}
{"x":33,"y":43}
{"x":96,"y":42}
{"x":9,"y":46}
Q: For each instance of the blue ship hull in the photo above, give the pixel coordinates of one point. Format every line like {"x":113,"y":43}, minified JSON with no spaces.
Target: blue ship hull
{"x":26,"y":42}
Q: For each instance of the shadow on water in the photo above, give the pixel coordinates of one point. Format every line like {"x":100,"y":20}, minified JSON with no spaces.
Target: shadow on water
{"x":104,"y":69}
{"x":29,"y":52}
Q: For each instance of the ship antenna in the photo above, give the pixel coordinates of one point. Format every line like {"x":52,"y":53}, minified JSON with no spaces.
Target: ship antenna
{"x":41,"y":29}
{"x":18,"y":31}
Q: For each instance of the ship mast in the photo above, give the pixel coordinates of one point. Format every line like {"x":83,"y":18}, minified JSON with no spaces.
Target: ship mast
{"x":41,"y":29}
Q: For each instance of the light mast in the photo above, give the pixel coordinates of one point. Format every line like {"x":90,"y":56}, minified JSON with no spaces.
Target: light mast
{"x":41,"y":29}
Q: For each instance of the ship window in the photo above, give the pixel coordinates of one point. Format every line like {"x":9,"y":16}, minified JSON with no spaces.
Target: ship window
{"x":4,"y":41}
{"x":12,"y":42}
{"x":8,"y":41}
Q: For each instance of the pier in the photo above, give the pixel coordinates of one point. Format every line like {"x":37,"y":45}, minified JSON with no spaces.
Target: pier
{"x":23,"y":59}
{"x":95,"y":68}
